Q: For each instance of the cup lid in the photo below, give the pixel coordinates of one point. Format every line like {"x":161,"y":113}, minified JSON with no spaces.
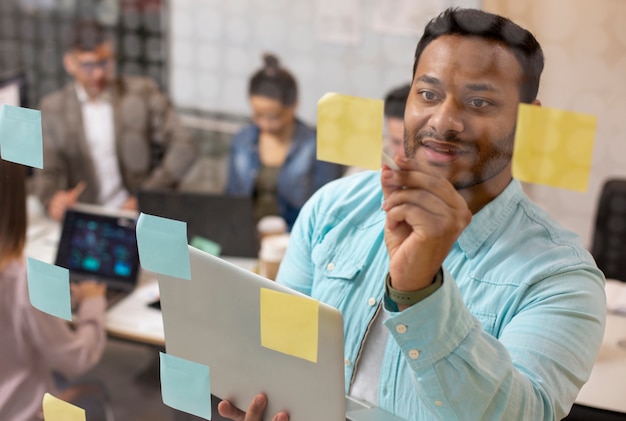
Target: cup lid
{"x":271,"y":223}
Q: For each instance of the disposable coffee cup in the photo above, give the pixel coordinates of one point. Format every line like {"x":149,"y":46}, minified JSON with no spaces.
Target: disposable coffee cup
{"x":272,"y":251}
{"x":271,"y":225}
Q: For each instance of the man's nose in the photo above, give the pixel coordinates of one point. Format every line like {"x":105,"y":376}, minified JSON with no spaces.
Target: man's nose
{"x":447,"y":117}
{"x":98,"y":72}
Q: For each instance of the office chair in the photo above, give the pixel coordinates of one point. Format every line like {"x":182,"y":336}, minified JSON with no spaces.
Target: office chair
{"x":586,"y":413}
{"x":609,"y":237}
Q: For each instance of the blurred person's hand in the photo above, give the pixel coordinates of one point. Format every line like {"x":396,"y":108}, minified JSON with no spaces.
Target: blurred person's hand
{"x":87,"y":289}
{"x":130,"y":204}
{"x":64,"y":199}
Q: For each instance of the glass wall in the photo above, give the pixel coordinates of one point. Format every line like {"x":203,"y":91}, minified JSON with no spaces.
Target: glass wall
{"x":33,"y":32}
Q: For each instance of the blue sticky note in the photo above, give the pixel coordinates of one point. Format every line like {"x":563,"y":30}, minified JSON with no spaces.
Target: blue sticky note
{"x":49,"y":288}
{"x":162,"y":246}
{"x":185,"y":385}
{"x":21,"y":139}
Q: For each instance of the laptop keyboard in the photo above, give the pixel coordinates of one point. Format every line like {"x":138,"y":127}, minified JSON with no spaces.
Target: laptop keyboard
{"x":114,"y":295}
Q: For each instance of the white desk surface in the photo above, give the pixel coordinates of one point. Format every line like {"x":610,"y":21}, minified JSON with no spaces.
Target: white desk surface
{"x":606,"y":388}
{"x":132,"y":319}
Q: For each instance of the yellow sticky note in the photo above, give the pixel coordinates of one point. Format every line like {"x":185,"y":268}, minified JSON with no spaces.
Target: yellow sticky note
{"x":350,"y":130}
{"x":55,"y":409}
{"x":553,"y":147}
{"x":289,"y":324}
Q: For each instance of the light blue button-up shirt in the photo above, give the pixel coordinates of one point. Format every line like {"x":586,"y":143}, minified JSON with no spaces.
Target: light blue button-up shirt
{"x":513,"y":332}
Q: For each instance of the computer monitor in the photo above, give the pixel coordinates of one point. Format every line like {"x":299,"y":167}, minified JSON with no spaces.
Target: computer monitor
{"x":13,"y":88}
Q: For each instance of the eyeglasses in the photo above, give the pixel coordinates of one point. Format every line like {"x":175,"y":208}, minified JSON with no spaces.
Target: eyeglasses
{"x":90,"y":66}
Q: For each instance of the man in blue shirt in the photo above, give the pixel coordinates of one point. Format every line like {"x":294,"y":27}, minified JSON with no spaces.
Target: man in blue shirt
{"x":462,"y":300}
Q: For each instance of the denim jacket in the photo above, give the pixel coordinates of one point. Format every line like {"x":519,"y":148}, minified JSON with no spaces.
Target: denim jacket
{"x":300,"y":176}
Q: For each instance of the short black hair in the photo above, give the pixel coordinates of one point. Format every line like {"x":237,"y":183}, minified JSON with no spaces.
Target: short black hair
{"x":86,"y":35}
{"x":395,"y":101}
{"x":274,"y":82}
{"x":473,"y":22}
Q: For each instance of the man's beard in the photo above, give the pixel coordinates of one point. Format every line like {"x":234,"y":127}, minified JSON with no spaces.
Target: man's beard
{"x":488,"y":163}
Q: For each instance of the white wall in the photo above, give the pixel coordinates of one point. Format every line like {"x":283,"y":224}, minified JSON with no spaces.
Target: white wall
{"x":584,"y":42}
{"x":217,"y":44}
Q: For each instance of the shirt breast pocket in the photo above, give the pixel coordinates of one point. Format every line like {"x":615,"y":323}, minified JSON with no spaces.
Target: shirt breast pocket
{"x":336,"y":272}
{"x":487,"y":321}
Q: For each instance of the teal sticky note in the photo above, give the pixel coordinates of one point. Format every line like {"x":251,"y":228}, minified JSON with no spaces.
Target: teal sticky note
{"x":49,"y":288}
{"x":21,"y":139}
{"x":206,"y":245}
{"x":162,"y":245}
{"x":186,"y":385}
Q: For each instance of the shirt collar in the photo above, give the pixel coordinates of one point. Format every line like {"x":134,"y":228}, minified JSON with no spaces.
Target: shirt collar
{"x":490,"y":218}
{"x":83,"y":98}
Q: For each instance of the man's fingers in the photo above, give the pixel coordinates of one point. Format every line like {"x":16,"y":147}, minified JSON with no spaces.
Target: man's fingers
{"x":227,"y":410}
{"x":257,"y":407}
{"x":281,"y":417}
{"x":76,"y":191}
{"x":255,"y":410}
{"x":422,"y":199}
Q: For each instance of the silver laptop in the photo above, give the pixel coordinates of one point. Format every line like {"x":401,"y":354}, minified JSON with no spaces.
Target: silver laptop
{"x":214,"y":319}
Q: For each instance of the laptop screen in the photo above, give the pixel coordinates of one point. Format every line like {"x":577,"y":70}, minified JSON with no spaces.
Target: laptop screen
{"x":99,"y":246}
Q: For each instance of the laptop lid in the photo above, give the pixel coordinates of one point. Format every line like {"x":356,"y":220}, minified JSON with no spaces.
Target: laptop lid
{"x":101,"y":245}
{"x":226,"y":220}
{"x":214,"y":319}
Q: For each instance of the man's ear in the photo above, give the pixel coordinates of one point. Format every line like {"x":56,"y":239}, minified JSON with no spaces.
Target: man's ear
{"x":537,"y":102}
{"x":69,"y":63}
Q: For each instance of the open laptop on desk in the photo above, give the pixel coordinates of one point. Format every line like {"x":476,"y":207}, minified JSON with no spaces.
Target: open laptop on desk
{"x":100,"y":245}
{"x":214,"y":319}
{"x":226,"y":220}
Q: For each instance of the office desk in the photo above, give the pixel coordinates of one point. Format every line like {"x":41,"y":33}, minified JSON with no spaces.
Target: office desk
{"x":131,"y":318}
{"x":606,"y":388}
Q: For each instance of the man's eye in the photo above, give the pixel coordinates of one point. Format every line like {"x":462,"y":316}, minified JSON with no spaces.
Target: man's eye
{"x":479,"y":103}
{"x":428,"y":95}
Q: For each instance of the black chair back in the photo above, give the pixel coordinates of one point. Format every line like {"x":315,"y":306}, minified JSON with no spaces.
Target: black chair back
{"x":609,"y":237}
{"x":586,"y":413}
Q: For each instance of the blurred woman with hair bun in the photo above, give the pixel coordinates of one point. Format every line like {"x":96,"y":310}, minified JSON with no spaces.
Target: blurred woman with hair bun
{"x":274,"y":159}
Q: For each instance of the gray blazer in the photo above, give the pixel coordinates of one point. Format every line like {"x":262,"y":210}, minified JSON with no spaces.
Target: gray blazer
{"x":153,"y":149}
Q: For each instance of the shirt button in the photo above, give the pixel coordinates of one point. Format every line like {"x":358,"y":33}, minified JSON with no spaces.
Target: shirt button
{"x":347,"y":361}
{"x":401,"y":329}
{"x":330,"y":266}
{"x":371,"y":301}
{"x":438,"y":403}
{"x":414,"y":354}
